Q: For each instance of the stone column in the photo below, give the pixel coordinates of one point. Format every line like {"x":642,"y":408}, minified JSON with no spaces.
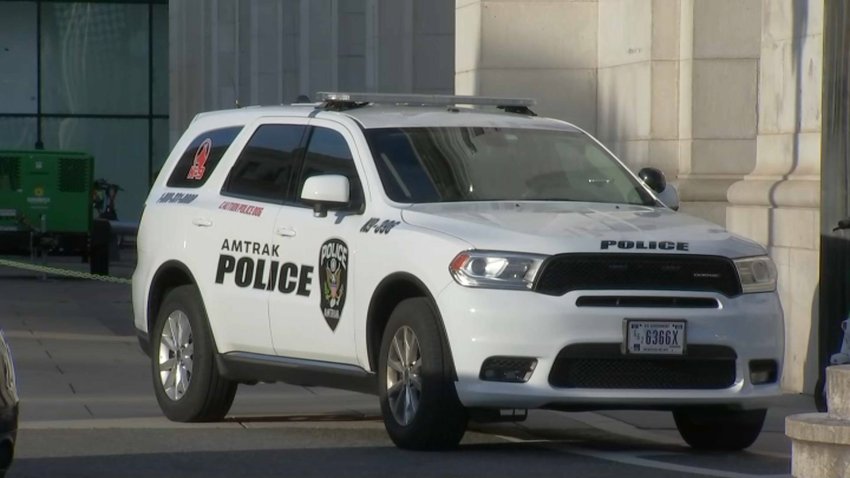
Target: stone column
{"x":638,"y":88}
{"x":524,"y":48}
{"x":777,"y":203}
{"x":719,"y":52}
{"x":820,"y":442}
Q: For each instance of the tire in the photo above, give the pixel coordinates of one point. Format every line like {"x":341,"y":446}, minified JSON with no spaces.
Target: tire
{"x":188,"y":385}
{"x":719,"y":429}
{"x":435,"y":418}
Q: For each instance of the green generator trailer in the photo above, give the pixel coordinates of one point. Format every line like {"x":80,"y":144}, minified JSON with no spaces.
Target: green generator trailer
{"x":45,"y":192}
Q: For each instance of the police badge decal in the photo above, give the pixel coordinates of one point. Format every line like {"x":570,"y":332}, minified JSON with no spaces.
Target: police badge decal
{"x":333,"y":278}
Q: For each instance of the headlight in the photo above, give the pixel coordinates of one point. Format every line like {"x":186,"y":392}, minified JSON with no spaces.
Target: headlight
{"x":757,"y":274}
{"x":495,"y":270}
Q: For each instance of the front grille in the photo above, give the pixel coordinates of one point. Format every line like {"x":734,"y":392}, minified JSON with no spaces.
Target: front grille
{"x":704,"y":367}
{"x":73,"y":175}
{"x":651,"y":302}
{"x":10,"y":173}
{"x":567,"y":272}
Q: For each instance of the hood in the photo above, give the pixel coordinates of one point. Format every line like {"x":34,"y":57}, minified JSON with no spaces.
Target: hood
{"x":558,"y":227}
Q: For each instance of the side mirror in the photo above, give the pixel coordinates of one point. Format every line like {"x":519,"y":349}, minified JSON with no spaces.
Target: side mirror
{"x":324,"y":192}
{"x":656,"y":181}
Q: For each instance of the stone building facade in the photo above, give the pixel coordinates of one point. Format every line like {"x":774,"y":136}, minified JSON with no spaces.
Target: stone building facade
{"x":723,"y":95}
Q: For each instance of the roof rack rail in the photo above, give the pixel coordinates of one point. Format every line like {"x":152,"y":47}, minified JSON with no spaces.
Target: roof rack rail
{"x":336,"y":101}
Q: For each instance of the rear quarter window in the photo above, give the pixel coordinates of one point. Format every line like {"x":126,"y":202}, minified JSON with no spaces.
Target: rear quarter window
{"x":201,"y":157}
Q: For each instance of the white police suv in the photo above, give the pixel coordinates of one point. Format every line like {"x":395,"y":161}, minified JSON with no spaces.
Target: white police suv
{"x":459,"y":257}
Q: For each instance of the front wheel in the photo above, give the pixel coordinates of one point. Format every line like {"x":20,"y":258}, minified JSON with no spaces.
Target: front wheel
{"x":719,"y":429}
{"x":418,"y":399}
{"x":186,"y":381}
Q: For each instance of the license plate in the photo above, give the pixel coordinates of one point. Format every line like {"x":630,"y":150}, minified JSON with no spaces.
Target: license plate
{"x":661,"y":337}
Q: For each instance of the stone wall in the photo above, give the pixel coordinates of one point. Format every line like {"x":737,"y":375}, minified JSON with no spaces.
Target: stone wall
{"x":638,"y":87}
{"x":722,"y":95}
{"x":777,"y":203}
{"x":523,"y":48}
{"x":271,"y":51}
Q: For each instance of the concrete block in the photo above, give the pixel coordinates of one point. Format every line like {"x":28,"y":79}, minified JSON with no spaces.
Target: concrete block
{"x":710,"y":211}
{"x":538,"y":34}
{"x":802,"y":193}
{"x":686,"y":99}
{"x":751,"y":222}
{"x":664,"y":155}
{"x":666,"y":17}
{"x":798,"y":282}
{"x":565,"y":94}
{"x":665,"y":100}
{"x":727,"y":28}
{"x":775,"y":154}
{"x":724,"y":99}
{"x":468,"y":37}
{"x":686,"y":30}
{"x":790,"y":85}
{"x":796,"y":228}
{"x":723,"y":156}
{"x":820,"y":445}
{"x":635,"y":154}
{"x":694,"y":187}
{"x":466,"y":83}
{"x":838,"y":394}
{"x":625,"y":31}
{"x":685,"y":153}
{"x":624,"y":101}
{"x":783,"y":20}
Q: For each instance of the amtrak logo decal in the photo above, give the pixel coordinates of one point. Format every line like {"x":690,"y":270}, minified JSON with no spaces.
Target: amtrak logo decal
{"x":333,"y":277}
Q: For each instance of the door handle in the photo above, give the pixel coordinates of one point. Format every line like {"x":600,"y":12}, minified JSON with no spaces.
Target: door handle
{"x":842,"y":224}
{"x":202,"y":222}
{"x":285,"y":232}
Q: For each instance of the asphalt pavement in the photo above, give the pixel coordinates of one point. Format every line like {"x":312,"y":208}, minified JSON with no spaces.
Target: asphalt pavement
{"x":88,"y":409}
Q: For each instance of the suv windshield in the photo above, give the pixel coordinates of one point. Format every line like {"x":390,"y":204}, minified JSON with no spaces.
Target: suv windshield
{"x":425,"y":165}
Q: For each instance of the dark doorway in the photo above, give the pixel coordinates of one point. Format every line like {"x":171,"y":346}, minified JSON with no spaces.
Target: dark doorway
{"x":835,"y":185}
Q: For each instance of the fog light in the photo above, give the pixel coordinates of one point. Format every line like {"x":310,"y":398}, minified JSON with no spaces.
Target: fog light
{"x":763,"y":371}
{"x":507,"y":369}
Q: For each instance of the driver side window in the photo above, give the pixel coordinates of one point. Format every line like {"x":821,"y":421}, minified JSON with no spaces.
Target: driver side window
{"x":328,"y":153}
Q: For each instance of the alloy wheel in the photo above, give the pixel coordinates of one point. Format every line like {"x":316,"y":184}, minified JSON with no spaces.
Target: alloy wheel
{"x":176,"y":350}
{"x":404,"y":383}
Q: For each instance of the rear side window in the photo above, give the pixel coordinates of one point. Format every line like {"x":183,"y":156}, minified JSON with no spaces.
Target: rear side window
{"x":265,"y":166}
{"x":201,"y":157}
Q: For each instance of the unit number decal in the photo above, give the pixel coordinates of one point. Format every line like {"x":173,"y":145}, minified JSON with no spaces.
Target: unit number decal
{"x":383,"y":228}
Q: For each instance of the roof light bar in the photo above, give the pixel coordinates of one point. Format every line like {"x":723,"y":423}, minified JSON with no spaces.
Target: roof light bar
{"x":431,"y":100}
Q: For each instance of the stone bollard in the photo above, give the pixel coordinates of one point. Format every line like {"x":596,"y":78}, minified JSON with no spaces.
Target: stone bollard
{"x":820,"y":442}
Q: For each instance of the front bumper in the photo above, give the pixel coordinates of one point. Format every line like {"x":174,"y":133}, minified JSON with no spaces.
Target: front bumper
{"x":483,"y":323}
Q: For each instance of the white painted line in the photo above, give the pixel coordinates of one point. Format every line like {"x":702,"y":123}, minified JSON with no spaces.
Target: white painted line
{"x":35,"y":335}
{"x":617,"y":427}
{"x":317,"y":420}
{"x":634,"y":459}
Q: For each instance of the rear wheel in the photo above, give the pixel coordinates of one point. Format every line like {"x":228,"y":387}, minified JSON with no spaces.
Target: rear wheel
{"x":719,"y":429}
{"x":186,"y":381}
{"x":418,"y":399}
